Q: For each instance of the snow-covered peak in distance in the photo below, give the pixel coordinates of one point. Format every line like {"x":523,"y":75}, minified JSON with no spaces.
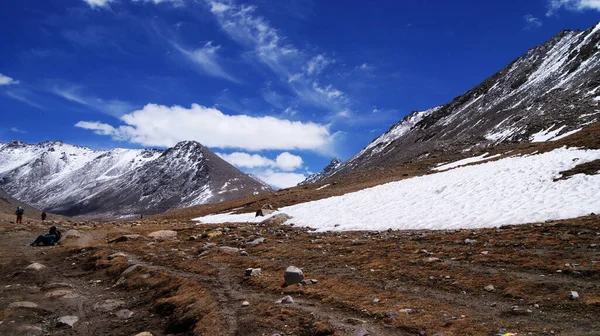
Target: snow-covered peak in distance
{"x":76,"y":180}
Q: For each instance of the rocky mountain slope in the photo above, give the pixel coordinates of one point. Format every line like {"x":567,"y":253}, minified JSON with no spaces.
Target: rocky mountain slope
{"x":332,"y":166}
{"x":75,"y":180}
{"x":549,"y":92}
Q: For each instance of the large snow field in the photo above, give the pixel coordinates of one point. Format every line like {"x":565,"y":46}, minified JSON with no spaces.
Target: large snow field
{"x":514,"y":190}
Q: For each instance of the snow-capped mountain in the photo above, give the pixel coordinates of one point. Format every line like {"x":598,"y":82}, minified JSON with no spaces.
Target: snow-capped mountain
{"x":326,"y":172}
{"x":551,"y":91}
{"x":76,"y":180}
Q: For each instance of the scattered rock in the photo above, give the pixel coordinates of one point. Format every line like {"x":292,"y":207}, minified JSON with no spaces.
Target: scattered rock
{"x":163,"y":234}
{"x":264,"y":212}
{"x":593,"y":245}
{"x":391,"y":314}
{"x":433,"y":259}
{"x":361,"y":332}
{"x":71,"y":234}
{"x":35,"y":267}
{"x":124,"y":314}
{"x":489,"y":288}
{"x":108,"y":305}
{"x":574,"y":295}
{"x":228,"y":249}
{"x":117,"y":255}
{"x":407,"y":311}
{"x":130,"y":269}
{"x":23,"y":304}
{"x":244,"y":254}
{"x":145,"y":333}
{"x":293,"y":275}
{"x":470,"y":241}
{"x":245,"y":304}
{"x":207,"y":246}
{"x":58,"y":293}
{"x":286,"y":299}
{"x":67,"y":321}
{"x":255,"y":242}
{"x":253,"y":272}
{"x":277,"y":219}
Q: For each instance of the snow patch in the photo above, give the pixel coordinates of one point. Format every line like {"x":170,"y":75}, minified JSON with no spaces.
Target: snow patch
{"x":545,"y":135}
{"x":513,"y":190}
{"x":323,"y":186}
{"x":566,"y":134}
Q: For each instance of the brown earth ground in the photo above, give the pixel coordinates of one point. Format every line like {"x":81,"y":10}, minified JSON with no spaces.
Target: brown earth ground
{"x":383,"y":283}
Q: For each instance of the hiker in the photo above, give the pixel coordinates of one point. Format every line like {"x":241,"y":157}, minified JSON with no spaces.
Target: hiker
{"x":19,"y":214}
{"x":49,"y":239}
{"x":43,"y":216}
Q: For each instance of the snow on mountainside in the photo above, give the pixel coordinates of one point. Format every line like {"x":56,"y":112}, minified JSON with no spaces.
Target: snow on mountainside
{"x":76,"y":180}
{"x":551,"y":91}
{"x":331,"y":167}
{"x":513,"y":190}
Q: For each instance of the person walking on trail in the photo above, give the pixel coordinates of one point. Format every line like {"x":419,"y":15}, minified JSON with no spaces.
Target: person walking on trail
{"x":49,"y":239}
{"x":43,"y":216}
{"x":19,"y":214}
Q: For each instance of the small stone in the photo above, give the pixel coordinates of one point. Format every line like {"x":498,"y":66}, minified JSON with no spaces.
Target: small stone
{"x":163,"y":234}
{"x":253,"y":272}
{"x":35,"y":267}
{"x":145,"y":333}
{"x":108,"y":305}
{"x":244,"y":254}
{"x":376,"y":300}
{"x":361,"y":332}
{"x":58,"y":293}
{"x":485,"y":252}
{"x":574,"y":295}
{"x":391,"y":314}
{"x":293,"y":275}
{"x":470,"y":241}
{"x":229,"y":250}
{"x":314,"y":281}
{"x":407,"y":311}
{"x":489,"y":288}
{"x":433,"y":259}
{"x":593,"y":245}
{"x":117,"y":255}
{"x":23,"y":304}
{"x":67,"y":321}
{"x":124,"y":314}
{"x":130,"y":269}
{"x":255,"y":242}
{"x":71,"y":234}
{"x":286,"y":299}
{"x":245,"y":304}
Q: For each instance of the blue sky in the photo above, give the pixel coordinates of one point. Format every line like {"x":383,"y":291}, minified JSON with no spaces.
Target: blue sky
{"x":277,"y":88}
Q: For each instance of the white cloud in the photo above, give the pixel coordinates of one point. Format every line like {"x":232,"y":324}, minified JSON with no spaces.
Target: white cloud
{"x":288,"y":162}
{"x":317,"y":64}
{"x":156,"y":2}
{"x":5,"y":80}
{"x":284,"y":161}
{"x":291,"y":111}
{"x":112,"y":107}
{"x":98,"y":3}
{"x":163,"y":126}
{"x":572,"y":5}
{"x":16,"y":130}
{"x":207,"y":58}
{"x":532,"y":22}
{"x":279,"y":179}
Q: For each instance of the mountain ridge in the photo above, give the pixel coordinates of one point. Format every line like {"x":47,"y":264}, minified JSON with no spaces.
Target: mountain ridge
{"x":76,"y":180}
{"x":552,"y":90}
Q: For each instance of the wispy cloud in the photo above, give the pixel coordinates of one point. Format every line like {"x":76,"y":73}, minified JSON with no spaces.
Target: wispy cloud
{"x":16,"y":130}
{"x":532,"y":22}
{"x":294,"y":67}
{"x":5,"y":80}
{"x":572,"y":5}
{"x":22,"y":97}
{"x":113,"y":107}
{"x":207,"y":59}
